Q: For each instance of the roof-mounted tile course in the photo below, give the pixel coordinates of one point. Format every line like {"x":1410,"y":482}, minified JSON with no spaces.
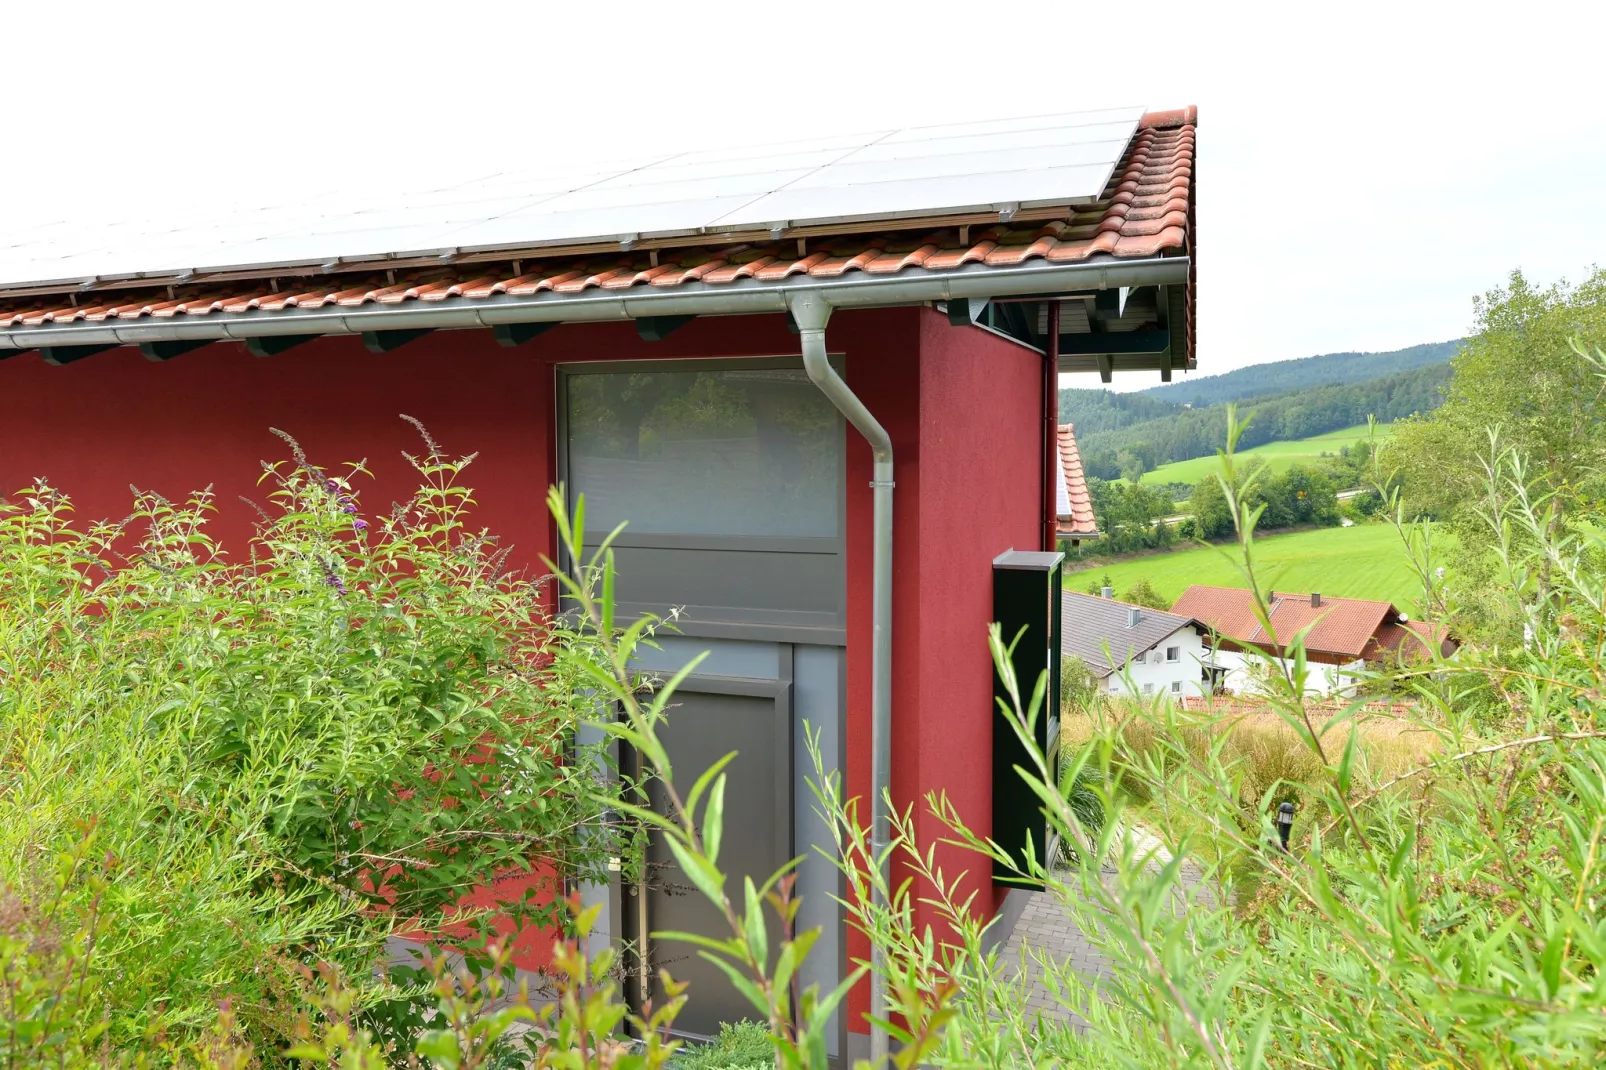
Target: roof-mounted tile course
{"x":1073,"y":501}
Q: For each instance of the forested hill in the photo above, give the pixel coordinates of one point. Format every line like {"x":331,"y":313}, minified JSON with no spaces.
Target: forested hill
{"x":1100,"y":410}
{"x":1282,"y":376}
{"x":1184,"y":433}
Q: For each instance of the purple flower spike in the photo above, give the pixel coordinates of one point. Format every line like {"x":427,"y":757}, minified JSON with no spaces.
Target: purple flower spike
{"x":332,"y":485}
{"x":359,"y":525}
{"x":350,"y":508}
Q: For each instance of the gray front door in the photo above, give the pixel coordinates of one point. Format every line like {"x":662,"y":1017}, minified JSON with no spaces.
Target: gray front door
{"x":756,"y":841}
{"x":729,"y":477}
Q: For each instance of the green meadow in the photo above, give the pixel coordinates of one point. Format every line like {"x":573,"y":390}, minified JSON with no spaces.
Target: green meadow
{"x":1365,"y":561}
{"x":1278,"y":456}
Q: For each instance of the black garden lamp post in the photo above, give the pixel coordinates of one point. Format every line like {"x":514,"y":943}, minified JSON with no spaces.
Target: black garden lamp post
{"x":1285,"y":823}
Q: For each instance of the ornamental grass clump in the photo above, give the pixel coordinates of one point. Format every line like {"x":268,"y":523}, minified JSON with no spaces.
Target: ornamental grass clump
{"x":281,"y":758}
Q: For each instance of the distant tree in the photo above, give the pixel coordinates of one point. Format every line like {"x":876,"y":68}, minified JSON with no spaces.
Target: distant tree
{"x":1521,"y":379}
{"x":1212,"y":517}
{"x":1098,"y":585}
{"x":1299,"y":495}
{"x":1518,"y":374}
{"x":1142,"y":593}
{"x":1131,"y":465}
{"x":1127,"y":515}
{"x":1079,"y":688}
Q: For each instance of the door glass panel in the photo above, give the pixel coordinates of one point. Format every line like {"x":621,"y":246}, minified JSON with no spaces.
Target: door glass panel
{"x":743,"y":452}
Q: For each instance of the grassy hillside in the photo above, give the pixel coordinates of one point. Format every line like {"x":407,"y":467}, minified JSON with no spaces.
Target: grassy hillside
{"x":1279,"y":456}
{"x":1365,"y":561}
{"x":1276,"y":377}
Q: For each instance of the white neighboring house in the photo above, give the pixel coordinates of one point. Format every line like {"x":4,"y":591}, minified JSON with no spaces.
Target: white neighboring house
{"x":1134,"y":650}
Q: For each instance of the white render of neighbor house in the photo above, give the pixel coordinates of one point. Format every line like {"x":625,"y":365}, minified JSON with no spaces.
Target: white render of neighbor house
{"x":1248,"y":673}
{"x":1134,"y":650}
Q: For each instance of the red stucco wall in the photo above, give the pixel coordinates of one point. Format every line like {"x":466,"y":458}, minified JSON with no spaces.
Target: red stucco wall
{"x":981,"y":456}
{"x":962,"y":408}
{"x":967,"y":461}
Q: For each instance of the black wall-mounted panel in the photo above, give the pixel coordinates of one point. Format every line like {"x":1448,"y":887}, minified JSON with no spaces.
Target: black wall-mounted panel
{"x":1026,"y":595}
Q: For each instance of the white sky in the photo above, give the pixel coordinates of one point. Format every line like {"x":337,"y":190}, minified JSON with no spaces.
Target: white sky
{"x":1364,"y":169}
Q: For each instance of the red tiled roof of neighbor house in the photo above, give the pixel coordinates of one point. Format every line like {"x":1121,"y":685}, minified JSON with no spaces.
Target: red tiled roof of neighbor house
{"x":1145,"y":211}
{"x":1416,"y":640}
{"x":1075,"y":504}
{"x":1346,"y":628}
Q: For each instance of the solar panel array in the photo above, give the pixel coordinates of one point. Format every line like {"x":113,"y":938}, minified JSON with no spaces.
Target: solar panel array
{"x":889,"y":174}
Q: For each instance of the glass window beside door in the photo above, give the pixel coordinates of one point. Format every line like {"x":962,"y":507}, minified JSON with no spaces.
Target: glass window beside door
{"x":753,"y":452}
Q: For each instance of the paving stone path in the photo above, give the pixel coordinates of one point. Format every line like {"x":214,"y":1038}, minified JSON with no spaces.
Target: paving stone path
{"x":1047,"y":928}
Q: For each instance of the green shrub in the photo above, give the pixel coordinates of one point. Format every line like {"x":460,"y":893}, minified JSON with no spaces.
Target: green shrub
{"x":742,"y":1046}
{"x":283,"y":759}
{"x":1142,"y":593}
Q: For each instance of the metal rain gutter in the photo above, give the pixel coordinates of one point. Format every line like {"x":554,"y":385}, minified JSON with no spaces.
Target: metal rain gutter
{"x":811,"y":311}
{"x":910,"y":287}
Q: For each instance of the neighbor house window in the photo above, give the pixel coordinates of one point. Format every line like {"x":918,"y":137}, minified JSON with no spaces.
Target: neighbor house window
{"x":1173,"y":653}
{"x":1139,"y":659}
{"x":1148,"y":689}
{"x":1176,"y":686}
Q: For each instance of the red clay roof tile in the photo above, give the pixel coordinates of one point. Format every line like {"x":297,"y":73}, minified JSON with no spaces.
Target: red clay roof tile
{"x":1075,"y":504}
{"x":1146,"y":211}
{"x":1348,"y":628}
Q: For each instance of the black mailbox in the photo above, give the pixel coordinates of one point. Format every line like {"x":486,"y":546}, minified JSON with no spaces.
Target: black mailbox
{"x":1026,"y":595}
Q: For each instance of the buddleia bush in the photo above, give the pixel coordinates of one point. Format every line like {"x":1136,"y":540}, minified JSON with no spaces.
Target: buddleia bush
{"x":282,"y":755}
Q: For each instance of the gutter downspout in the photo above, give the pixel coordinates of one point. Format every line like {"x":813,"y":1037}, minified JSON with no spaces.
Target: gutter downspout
{"x":1051,"y":428}
{"x":811,"y":311}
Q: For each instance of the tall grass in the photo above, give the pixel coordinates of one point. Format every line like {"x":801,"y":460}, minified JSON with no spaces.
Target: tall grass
{"x":1260,"y":748}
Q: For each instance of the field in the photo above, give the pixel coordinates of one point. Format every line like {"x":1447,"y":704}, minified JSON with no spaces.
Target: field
{"x":1277,"y":455}
{"x":1365,"y":561}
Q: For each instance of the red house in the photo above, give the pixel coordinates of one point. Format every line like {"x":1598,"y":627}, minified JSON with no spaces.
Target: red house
{"x":1342,"y":636}
{"x":808,"y":376}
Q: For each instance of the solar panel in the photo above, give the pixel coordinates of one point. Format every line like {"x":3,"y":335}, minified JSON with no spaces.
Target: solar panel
{"x":887,"y":174}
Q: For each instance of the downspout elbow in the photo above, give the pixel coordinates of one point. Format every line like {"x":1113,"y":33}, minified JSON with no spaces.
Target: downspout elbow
{"x":811,"y":312}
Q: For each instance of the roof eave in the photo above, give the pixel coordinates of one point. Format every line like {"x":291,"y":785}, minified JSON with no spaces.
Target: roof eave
{"x":913,"y":286}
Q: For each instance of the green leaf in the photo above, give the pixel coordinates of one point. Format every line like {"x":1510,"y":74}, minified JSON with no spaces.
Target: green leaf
{"x":714,"y":819}
{"x":703,"y":781}
{"x":793,"y":953}
{"x":823,"y":1010}
{"x":577,"y":527}
{"x":753,"y":922}
{"x":1550,"y":961}
{"x":641,"y":813}
{"x":742,"y":984}
{"x":439,"y":1046}
{"x":731,"y":946}
{"x":607,"y":594}
{"x":700,"y":870}
{"x":1346,"y":763}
